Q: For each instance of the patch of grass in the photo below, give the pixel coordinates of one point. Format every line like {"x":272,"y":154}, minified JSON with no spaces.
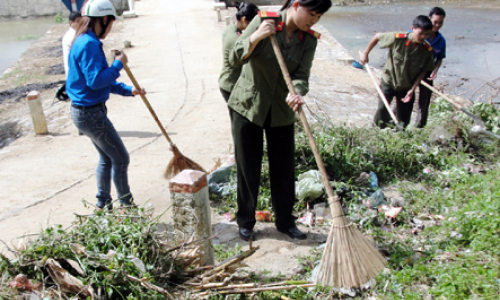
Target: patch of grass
{"x":223,"y":252}
{"x":11,"y":74}
{"x":59,"y":19}
{"x":27,"y":37}
{"x":456,"y":254}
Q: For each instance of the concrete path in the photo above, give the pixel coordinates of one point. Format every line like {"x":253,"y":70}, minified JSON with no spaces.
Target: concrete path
{"x":177,"y":58}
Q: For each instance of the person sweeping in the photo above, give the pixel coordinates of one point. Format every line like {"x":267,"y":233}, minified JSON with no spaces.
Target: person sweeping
{"x":408,"y":60}
{"x":260,"y":103}
{"x":89,"y":83}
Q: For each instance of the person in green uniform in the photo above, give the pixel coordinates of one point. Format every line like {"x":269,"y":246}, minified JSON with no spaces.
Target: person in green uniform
{"x":260,"y":103}
{"x":409,"y":59}
{"x":229,"y":74}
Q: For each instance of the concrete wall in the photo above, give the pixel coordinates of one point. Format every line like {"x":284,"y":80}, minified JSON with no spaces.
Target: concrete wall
{"x":43,"y":8}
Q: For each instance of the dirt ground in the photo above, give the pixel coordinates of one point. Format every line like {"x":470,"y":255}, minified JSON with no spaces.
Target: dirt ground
{"x":176,"y":56}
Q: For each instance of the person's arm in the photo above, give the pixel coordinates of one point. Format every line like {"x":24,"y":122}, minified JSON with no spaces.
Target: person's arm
{"x":265,"y":29}
{"x":363,"y":56}
{"x":410,"y":93}
{"x":97,"y":74}
{"x":246,"y":44}
{"x":436,"y":69}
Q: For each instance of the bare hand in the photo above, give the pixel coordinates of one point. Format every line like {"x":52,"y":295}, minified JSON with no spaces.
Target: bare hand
{"x":433,"y":76}
{"x":266,"y":28}
{"x":121,"y":56}
{"x":363,"y":58}
{"x":408,"y":96}
{"x":140,"y":91}
{"x":294,"y":101}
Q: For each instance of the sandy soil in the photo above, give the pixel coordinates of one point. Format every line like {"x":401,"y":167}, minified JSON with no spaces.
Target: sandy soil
{"x":177,"y":58}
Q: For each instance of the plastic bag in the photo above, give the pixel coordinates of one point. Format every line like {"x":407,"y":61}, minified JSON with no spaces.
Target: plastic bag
{"x":309,"y":185}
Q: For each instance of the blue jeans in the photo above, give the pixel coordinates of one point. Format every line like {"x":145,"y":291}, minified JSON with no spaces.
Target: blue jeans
{"x":113,"y":156}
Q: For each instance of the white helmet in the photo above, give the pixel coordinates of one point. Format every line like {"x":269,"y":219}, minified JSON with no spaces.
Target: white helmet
{"x":99,"y":8}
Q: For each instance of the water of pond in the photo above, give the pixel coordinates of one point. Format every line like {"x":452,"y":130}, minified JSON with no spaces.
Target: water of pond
{"x":472,"y":36}
{"x":17,"y":35}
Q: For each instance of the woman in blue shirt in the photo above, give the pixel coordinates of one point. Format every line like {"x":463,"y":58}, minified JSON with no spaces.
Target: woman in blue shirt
{"x":89,"y":83}
{"x":438,"y":44}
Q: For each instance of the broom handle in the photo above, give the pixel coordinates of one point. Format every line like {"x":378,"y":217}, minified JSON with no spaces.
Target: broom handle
{"x":137,"y":86}
{"x":381,"y":94}
{"x":434,"y":90}
{"x":303,"y":119}
{"x":475,"y":118}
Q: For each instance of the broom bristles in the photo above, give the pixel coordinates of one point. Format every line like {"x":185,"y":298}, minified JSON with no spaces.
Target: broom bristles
{"x":179,"y":163}
{"x":349,"y":259}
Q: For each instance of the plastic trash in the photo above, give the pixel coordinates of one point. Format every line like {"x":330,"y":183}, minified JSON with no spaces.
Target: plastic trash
{"x":389,"y":211}
{"x":138,"y":263}
{"x":149,"y":210}
{"x":230,"y":216}
{"x":373,"y":181}
{"x":307,"y":219}
{"x":222,"y":174}
{"x":219,"y":181}
{"x":319,"y":212}
{"x":263,"y":216}
{"x":377,"y":199}
{"x":309,"y":185}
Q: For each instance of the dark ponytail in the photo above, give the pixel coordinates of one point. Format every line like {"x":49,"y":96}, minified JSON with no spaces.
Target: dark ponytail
{"x":248,"y":10}
{"x":318,"y":6}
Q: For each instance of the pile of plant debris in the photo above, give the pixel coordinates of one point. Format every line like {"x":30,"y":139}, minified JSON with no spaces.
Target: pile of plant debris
{"x":106,"y":255}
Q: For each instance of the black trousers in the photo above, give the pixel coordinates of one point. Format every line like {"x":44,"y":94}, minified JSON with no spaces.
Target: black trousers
{"x":403,"y":110}
{"x":226,"y":96}
{"x":424,"y":101}
{"x":248,"y":144}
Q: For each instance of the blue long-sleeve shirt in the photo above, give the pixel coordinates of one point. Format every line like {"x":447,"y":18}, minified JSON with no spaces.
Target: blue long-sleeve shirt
{"x":90,"y":79}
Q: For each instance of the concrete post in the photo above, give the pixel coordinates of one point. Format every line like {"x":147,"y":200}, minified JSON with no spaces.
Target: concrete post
{"x":218,"y":15}
{"x":228,"y":20}
{"x":130,"y":13}
{"x":36,"y":109}
{"x":191,"y":209}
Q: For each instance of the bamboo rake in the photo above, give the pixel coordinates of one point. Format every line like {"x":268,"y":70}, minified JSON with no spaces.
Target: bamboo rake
{"x":349,"y":259}
{"x":179,"y":162}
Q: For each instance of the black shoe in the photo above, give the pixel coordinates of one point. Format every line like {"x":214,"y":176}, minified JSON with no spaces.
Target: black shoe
{"x":294,"y":233}
{"x":246,"y":234}
{"x":108,"y":205}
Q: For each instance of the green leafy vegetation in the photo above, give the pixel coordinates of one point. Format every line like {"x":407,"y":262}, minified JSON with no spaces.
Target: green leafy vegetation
{"x":223,"y":252}
{"x":445,"y":244}
{"x":58,"y":18}
{"x":27,"y":37}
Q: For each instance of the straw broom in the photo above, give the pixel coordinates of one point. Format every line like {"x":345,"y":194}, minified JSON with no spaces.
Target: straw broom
{"x":179,"y":162}
{"x":349,"y":259}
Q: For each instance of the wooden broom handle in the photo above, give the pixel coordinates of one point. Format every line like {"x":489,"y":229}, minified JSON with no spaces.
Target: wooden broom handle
{"x":434,"y":90}
{"x":137,"y":86}
{"x":303,"y":118}
{"x":381,"y":94}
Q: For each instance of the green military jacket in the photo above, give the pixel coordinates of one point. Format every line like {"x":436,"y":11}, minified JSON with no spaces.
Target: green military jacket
{"x":404,"y":63}
{"x":229,"y":74}
{"x":261,"y":89}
